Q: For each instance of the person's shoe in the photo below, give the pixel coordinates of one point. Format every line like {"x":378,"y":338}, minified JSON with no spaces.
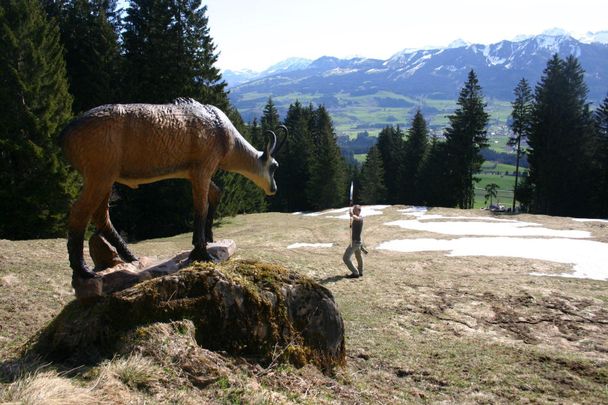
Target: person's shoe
{"x":360,"y":273}
{"x":352,"y":276}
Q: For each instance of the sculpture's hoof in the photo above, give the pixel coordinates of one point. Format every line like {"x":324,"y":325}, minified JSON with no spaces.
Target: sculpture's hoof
{"x":84,"y":273}
{"x":200,"y":254}
{"x":131,"y":259}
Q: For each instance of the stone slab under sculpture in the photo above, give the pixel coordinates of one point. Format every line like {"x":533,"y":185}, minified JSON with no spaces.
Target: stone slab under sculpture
{"x":116,"y":275}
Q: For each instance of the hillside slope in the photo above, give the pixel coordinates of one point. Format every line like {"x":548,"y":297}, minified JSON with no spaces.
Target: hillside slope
{"x":367,"y":94}
{"x":421,"y":325}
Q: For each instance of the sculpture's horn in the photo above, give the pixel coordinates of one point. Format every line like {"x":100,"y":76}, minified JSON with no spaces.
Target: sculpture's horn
{"x":278,"y":148}
{"x":271,"y":145}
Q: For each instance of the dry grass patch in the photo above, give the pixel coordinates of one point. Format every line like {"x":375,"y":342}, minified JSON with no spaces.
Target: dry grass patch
{"x":47,"y":387}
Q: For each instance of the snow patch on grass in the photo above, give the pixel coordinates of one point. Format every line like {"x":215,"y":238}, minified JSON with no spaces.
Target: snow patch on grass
{"x":366,"y":211}
{"x":590,"y":220}
{"x":479,"y":228}
{"x":421,"y":214}
{"x":312,"y":245}
{"x":588,"y":257}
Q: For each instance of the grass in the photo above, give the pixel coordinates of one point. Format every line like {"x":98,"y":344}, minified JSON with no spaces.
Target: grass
{"x":493,"y":172}
{"x":361,"y":157}
{"x":420,"y":327}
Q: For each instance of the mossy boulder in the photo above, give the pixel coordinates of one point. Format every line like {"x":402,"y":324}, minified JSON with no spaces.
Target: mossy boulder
{"x":256,"y":310}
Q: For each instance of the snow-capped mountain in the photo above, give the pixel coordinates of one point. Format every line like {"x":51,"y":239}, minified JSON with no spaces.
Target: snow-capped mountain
{"x":236,"y":77}
{"x":287,"y":65}
{"x":432,"y":73}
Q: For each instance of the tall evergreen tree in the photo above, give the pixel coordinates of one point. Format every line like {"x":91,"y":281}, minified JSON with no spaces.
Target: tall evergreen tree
{"x":373,"y":190}
{"x":92,"y":50}
{"x":36,"y":186}
{"x":391,"y":147}
{"x":294,"y":171}
{"x":415,"y":147}
{"x":601,"y":157}
{"x":168,"y":53}
{"x":521,"y":124}
{"x":465,"y":137}
{"x":270,"y":117}
{"x":327,"y":183}
{"x":560,"y":141}
{"x":433,"y":177}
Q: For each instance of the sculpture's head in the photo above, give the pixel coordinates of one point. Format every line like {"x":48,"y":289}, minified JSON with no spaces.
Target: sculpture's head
{"x":268,"y":164}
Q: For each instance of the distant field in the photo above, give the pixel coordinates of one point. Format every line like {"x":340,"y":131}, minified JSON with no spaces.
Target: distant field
{"x":352,"y":114}
{"x":493,"y":172}
{"x":360,"y":157}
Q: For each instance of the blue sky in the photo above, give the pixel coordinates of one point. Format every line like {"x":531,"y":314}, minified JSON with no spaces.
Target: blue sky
{"x":254,"y":34}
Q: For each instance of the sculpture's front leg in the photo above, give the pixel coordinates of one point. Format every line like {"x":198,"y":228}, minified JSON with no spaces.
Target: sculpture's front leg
{"x":199,"y":253}
{"x":214,"y":200}
{"x":200,"y":193}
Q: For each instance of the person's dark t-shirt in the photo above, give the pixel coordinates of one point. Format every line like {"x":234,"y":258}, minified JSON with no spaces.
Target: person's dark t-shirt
{"x":357,"y":228}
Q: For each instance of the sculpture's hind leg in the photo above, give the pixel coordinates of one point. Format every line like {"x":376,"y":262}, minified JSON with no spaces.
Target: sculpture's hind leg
{"x":101,"y":219}
{"x":80,"y":214}
{"x":215,"y":193}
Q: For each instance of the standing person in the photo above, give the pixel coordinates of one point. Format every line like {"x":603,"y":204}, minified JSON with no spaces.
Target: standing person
{"x":356,"y":224}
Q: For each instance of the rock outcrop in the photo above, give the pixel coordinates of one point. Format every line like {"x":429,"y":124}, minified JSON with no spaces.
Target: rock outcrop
{"x":260,"y":311}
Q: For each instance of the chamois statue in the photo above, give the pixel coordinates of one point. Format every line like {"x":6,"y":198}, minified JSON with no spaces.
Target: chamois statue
{"x":135,"y":144}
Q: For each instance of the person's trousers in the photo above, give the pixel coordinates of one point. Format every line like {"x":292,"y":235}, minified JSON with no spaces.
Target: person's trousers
{"x":355,"y":248}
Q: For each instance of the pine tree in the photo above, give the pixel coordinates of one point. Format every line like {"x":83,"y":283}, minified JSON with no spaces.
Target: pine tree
{"x":465,"y":137}
{"x":327,"y":183}
{"x":36,"y":186}
{"x":92,"y":50}
{"x":601,"y":157}
{"x":373,"y":190}
{"x":601,"y":119}
{"x":560,"y":141}
{"x":270,"y":117}
{"x":391,"y":147}
{"x":415,"y":147}
{"x":521,"y":124}
{"x":433,"y":177}
{"x":169,"y":53}
{"x":294,"y":170}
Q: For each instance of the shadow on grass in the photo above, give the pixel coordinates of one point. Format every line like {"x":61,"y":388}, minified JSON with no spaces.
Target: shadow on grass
{"x":332,"y":279}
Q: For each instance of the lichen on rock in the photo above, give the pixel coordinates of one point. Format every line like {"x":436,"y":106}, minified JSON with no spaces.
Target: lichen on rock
{"x":260,"y":311}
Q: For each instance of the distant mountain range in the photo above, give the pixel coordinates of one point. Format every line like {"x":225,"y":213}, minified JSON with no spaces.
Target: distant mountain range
{"x":427,"y":78}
